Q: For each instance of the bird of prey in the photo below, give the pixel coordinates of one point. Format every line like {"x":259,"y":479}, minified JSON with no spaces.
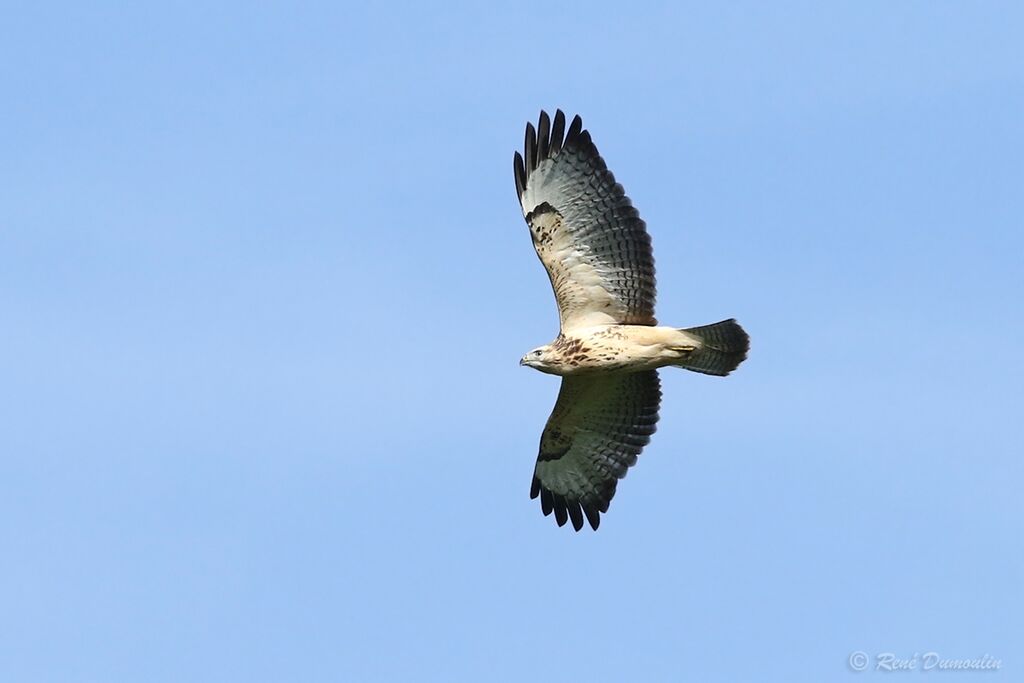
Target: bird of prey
{"x":597,"y":254}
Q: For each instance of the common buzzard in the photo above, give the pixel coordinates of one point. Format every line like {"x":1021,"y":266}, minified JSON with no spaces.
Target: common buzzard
{"x":597,"y":253}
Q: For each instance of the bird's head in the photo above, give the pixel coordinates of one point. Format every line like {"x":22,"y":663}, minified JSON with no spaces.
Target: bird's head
{"x":541,"y":358}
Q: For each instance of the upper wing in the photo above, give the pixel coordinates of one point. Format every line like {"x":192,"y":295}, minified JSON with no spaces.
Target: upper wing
{"x":597,"y":429}
{"x":586,"y":232}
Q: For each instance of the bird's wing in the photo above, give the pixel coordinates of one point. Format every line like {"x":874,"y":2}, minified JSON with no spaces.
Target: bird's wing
{"x":597,"y":429}
{"x":586,"y":232}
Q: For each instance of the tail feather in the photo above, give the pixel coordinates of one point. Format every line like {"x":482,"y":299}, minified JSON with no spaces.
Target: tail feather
{"x":723,"y":346}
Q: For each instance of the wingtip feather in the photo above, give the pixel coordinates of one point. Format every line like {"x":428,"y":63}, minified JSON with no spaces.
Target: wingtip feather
{"x":519,"y":170}
{"x":530,"y":148}
{"x":546,"y":502}
{"x":557,"y":132}
{"x":543,"y":136}
{"x":561,"y":514}
{"x":575,"y":513}
{"x":574,"y":131}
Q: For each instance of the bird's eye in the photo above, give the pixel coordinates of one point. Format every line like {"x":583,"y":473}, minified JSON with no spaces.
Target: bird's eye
{"x":538,"y":353}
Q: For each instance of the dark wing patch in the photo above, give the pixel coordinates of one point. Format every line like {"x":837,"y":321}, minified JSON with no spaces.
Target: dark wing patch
{"x":598,"y":427}
{"x":599,"y":255}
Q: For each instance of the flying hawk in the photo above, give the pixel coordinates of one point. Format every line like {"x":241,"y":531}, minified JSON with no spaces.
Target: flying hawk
{"x":597,"y":253}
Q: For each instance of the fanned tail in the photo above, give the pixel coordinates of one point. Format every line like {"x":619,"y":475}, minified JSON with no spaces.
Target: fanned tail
{"x":723,"y":346}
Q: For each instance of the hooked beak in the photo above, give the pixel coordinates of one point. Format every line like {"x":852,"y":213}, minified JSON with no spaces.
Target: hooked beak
{"x":522,"y":361}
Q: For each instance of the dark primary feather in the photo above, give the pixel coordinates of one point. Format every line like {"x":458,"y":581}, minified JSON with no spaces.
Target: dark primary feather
{"x":520,"y":171}
{"x":557,"y":132}
{"x":574,"y":130}
{"x":530,"y":149}
{"x":543,"y":136}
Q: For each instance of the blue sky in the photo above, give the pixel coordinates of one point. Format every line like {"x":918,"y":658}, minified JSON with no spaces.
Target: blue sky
{"x":264,"y":286}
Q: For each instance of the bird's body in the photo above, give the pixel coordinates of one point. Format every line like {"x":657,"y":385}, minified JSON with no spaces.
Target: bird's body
{"x":598,"y":257}
{"x":610,"y":348}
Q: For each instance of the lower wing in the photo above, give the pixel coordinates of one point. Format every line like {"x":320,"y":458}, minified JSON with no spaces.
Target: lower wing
{"x":598,"y":427}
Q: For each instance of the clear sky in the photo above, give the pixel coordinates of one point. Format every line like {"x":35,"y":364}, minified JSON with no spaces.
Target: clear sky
{"x":264,"y":286}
